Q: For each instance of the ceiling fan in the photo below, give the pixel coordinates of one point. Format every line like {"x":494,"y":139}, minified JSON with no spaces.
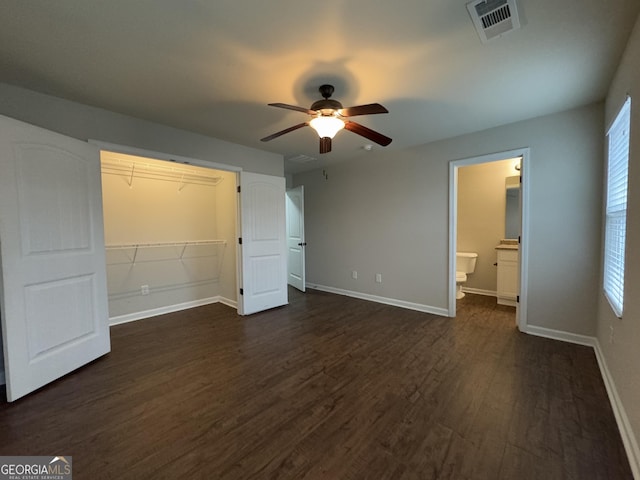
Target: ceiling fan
{"x":329,"y":119}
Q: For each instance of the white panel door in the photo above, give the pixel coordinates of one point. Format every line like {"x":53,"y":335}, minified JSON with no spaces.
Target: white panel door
{"x":54,"y":294}
{"x":264,"y":246}
{"x":295,"y":238}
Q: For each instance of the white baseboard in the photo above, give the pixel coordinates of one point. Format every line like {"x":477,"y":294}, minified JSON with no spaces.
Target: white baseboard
{"x":560,"y":335}
{"x":154,"y":312}
{"x":480,"y":291}
{"x":443,"y":312}
{"x":228,"y":302}
{"x":626,"y":432}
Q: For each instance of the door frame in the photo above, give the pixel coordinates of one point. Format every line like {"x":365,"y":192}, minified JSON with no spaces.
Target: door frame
{"x":454,"y":165}
{"x":152,"y":154}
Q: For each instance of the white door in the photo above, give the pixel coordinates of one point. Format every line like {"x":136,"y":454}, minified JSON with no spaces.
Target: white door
{"x":519,"y":258}
{"x":295,"y":238}
{"x":54,"y":295}
{"x":263,"y":278}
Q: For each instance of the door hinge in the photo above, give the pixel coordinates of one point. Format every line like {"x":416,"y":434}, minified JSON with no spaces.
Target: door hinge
{"x":518,"y":239}
{"x":239,"y":188}
{"x":240,"y":241}
{"x":520,"y":179}
{"x":242,"y":291}
{"x":517,"y":298}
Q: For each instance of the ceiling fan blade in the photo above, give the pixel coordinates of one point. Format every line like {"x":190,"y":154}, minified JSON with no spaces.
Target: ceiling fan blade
{"x":369,"y":109}
{"x":282,"y":132}
{"x":293,"y":107}
{"x":325,"y":145}
{"x":367,"y":133}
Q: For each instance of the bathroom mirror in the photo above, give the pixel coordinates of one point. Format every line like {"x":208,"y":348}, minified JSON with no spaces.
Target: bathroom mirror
{"x":512,"y":210}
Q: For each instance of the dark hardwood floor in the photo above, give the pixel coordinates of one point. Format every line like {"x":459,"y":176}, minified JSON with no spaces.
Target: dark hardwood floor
{"x":328,"y":387}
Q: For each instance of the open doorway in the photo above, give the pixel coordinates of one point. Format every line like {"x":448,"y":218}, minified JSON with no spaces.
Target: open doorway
{"x":296,"y":243}
{"x":258,"y":238}
{"x":170,"y":232}
{"x":500,"y":266}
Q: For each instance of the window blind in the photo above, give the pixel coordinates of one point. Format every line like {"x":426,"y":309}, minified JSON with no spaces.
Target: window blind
{"x":616,"y":208}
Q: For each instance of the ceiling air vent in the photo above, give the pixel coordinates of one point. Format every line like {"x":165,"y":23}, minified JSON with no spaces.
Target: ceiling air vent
{"x":300,"y":158}
{"x":493,"y":18}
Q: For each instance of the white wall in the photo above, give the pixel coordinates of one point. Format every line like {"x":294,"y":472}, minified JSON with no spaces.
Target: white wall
{"x":85,"y":122}
{"x":623,"y":355}
{"x":481,"y":217}
{"x":387,"y":212}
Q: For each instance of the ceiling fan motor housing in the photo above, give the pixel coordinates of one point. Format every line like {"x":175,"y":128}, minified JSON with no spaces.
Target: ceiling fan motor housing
{"x":326,"y":106}
{"x":328,"y":119}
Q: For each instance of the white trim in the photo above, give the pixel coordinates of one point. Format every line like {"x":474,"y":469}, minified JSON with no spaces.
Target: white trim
{"x":480,"y":291}
{"x":525,"y":175}
{"x":560,"y":335}
{"x":626,"y":432}
{"x":387,"y":301}
{"x":525,"y":154}
{"x":453,"y":235}
{"x":132,"y":317}
{"x":228,"y":302}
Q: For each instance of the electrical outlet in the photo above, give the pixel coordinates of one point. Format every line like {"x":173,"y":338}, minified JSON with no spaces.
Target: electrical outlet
{"x":144,"y":289}
{"x":354,"y":275}
{"x":378,"y":278}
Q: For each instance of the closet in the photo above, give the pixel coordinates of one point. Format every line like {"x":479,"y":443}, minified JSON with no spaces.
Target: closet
{"x":169,"y":233}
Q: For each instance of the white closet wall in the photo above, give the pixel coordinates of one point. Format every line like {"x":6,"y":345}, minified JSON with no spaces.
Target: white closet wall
{"x":169,"y":233}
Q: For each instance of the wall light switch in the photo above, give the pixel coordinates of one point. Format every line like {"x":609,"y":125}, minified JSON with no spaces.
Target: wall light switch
{"x":144,"y":289}
{"x":378,"y":278}
{"x":354,"y":275}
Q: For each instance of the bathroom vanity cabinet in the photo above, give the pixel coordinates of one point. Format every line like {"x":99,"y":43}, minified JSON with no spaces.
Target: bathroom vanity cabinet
{"x":507,"y":274}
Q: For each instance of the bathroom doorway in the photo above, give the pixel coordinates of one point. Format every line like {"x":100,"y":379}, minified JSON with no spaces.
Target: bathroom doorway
{"x":473,"y":229}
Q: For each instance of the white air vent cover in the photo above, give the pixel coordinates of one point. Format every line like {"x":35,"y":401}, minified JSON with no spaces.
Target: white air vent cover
{"x":493,"y":18}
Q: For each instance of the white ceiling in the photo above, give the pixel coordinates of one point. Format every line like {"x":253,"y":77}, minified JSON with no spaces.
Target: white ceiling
{"x":212,"y":66}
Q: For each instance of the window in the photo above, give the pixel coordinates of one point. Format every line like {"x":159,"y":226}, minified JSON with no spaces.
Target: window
{"x":616,"y":209}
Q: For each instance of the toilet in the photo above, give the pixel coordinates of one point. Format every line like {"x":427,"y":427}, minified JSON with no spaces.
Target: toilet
{"x":465,"y":265}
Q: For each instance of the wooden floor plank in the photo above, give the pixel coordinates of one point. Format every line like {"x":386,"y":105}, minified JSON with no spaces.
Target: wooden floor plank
{"x":328,"y":387}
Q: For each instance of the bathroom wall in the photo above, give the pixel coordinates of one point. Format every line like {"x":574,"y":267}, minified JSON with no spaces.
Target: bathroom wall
{"x":150,"y":210}
{"x":481,"y":218}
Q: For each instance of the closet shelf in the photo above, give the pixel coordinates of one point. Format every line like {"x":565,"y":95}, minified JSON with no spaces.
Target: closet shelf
{"x":182,"y":246}
{"x":181,"y":175}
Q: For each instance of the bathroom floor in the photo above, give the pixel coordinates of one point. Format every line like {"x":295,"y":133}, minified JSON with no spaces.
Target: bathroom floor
{"x":483,"y":305}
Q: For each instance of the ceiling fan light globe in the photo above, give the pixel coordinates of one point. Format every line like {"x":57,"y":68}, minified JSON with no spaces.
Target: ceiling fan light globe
{"x":326,"y":125}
